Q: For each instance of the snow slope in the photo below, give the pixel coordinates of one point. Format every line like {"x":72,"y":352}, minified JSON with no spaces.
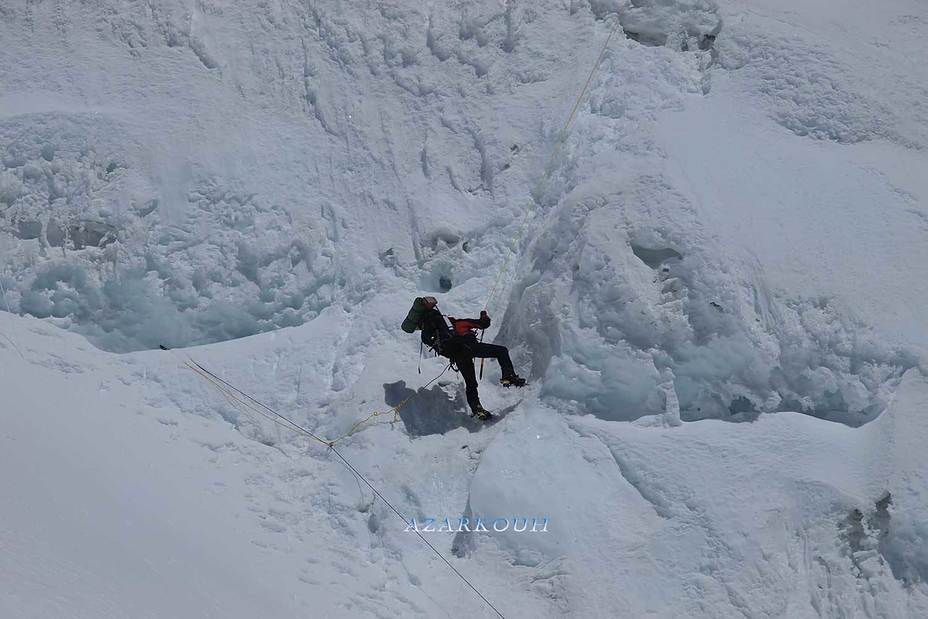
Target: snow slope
{"x":733,"y":230}
{"x":130,"y":495}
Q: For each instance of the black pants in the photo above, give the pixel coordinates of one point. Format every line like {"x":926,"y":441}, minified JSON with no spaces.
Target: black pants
{"x":462,"y":353}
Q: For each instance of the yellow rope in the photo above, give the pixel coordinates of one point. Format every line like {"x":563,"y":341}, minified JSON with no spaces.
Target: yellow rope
{"x":561,"y":137}
{"x":546,"y":171}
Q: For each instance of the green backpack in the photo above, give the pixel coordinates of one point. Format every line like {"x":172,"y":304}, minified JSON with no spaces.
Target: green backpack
{"x":419,"y":307}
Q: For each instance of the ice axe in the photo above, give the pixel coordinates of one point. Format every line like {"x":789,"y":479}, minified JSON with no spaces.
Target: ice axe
{"x":482,"y":359}
{"x":482,"y":333}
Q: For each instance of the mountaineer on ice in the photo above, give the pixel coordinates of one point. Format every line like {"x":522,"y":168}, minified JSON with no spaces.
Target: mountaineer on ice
{"x":459,"y":344}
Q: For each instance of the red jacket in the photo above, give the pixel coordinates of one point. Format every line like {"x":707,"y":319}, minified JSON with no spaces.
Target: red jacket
{"x":468,"y":326}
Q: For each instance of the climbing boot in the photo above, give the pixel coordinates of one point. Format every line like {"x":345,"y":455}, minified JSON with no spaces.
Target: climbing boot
{"x":481,"y":413}
{"x":513,"y":380}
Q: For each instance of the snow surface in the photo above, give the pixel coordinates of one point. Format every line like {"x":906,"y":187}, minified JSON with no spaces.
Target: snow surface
{"x":733,"y":230}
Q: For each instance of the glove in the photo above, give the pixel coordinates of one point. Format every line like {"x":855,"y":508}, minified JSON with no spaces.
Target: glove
{"x":484,"y":319}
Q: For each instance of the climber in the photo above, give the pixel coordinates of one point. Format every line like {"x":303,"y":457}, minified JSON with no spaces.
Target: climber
{"x":459,"y":344}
